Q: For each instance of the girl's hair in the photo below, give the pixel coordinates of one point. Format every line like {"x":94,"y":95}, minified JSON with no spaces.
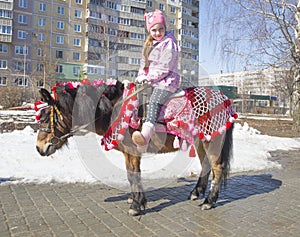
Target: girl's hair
{"x":147,"y":48}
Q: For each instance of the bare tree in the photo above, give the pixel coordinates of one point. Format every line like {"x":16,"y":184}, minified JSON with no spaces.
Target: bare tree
{"x":103,"y":31}
{"x":259,"y":34}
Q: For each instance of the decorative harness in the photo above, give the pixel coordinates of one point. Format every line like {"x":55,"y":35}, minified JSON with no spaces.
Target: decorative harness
{"x":202,"y":113}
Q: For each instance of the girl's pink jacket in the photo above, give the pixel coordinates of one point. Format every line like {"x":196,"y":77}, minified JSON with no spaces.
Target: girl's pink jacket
{"x":163,"y":68}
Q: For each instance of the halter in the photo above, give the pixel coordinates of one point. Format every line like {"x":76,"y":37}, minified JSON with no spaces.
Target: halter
{"x":54,"y":140}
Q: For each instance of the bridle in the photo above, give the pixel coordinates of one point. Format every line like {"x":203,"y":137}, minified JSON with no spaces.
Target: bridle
{"x":55,"y":140}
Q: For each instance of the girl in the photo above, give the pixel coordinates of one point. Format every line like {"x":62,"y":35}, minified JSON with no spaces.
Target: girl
{"x":159,"y":69}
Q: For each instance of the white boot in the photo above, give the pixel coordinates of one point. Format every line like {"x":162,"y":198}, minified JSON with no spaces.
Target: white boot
{"x":142,"y":138}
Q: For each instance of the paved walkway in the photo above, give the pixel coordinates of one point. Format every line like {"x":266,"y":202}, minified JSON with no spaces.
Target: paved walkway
{"x":254,"y":204}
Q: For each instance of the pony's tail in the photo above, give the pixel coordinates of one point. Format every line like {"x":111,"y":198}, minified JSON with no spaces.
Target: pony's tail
{"x":226,"y":154}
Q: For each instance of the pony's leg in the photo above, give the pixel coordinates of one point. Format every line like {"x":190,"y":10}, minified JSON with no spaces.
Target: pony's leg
{"x":137,"y":199}
{"x":213,"y":151}
{"x":204,"y":174}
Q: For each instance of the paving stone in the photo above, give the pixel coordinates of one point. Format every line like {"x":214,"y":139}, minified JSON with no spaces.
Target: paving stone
{"x":263,"y":203}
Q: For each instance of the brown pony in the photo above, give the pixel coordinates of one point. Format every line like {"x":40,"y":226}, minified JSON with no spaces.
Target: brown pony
{"x":92,"y":107}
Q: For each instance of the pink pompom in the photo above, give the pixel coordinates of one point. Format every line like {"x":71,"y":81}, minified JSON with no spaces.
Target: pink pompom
{"x":120,"y":137}
{"x":176,"y":143}
{"x":184,"y":145}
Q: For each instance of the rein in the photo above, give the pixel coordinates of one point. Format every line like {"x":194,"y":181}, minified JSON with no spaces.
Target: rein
{"x":53,"y":109}
{"x":143,"y":87}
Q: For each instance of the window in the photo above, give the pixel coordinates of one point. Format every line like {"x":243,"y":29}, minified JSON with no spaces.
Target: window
{"x":112,"y":5}
{"x":42,"y":7}
{"x":22,"y":19}
{"x":19,"y":66}
{"x":61,"y":10}
{"x":172,"y":21}
{"x":39,"y":83}
{"x":137,"y":36}
{"x":59,"y":39}
{"x":3,"y":64}
{"x":125,"y":8}
{"x":21,"y":50}
{"x":60,"y":25}
{"x":21,"y":81}
{"x":39,"y":67}
{"x":135,"y":61}
{"x":149,"y":3}
{"x":78,"y":1}
{"x":173,"y":10}
{"x":23,"y":3}
{"x":59,"y":54}
{"x":40,"y":52}
{"x":42,"y":22}
{"x":59,"y":69}
{"x":3,"y":48}
{"x":111,"y":19}
{"x":5,"y":14}
{"x":77,"y":42}
{"x":161,"y":7}
{"x":76,"y":71}
{"x":77,"y":14}
{"x":22,"y":34}
{"x":76,"y":56}
{"x":77,"y":28}
{"x":41,"y":37}
{"x":124,"y":21}
{"x":3,"y":81}
{"x":6,"y":30}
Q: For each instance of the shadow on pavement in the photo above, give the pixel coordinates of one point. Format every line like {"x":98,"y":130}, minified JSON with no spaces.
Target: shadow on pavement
{"x":238,"y":187}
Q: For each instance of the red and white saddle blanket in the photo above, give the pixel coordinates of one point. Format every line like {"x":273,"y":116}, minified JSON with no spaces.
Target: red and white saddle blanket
{"x":202,"y":112}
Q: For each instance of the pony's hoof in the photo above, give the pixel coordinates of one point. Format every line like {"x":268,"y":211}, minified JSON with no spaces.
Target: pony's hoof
{"x":206,"y":206}
{"x":133,"y":212}
{"x":193,"y":197}
{"x":130,"y":200}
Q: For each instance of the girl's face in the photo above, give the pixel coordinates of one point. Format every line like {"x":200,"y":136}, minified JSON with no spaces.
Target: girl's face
{"x":158,"y":31}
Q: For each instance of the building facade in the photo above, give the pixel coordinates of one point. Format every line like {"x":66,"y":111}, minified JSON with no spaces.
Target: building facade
{"x":116,"y":32}
{"x":42,"y":42}
{"x":250,"y":83}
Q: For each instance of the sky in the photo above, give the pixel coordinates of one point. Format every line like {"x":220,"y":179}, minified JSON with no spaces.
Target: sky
{"x":209,"y":61}
{"x":83,"y":160}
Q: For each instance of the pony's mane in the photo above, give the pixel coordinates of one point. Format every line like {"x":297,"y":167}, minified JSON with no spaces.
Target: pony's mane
{"x":86,"y":102}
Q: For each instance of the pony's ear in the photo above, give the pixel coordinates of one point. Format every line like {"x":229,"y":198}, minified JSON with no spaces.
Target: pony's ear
{"x":46,"y":96}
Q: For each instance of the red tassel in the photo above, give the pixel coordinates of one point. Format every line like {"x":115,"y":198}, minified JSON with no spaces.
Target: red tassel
{"x":201,"y":136}
{"x":192,"y":152}
{"x":114,"y":142}
{"x":228,"y":125}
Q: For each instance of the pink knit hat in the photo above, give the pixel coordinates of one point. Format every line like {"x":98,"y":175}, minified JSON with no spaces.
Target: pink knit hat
{"x":153,"y":18}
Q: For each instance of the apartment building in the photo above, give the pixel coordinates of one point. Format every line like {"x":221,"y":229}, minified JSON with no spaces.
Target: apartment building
{"x":46,"y":44}
{"x":42,"y":42}
{"x":252,"y":82}
{"x":117,"y":33}
{"x":6,"y":26}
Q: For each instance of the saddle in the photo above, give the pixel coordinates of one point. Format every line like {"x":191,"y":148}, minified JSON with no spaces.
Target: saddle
{"x":196,"y":111}
{"x":144,"y":98}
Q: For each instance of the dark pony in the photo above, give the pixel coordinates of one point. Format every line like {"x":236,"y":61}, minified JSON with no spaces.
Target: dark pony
{"x":92,"y":108}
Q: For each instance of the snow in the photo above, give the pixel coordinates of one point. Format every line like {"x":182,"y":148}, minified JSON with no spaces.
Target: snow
{"x":84,"y":160}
